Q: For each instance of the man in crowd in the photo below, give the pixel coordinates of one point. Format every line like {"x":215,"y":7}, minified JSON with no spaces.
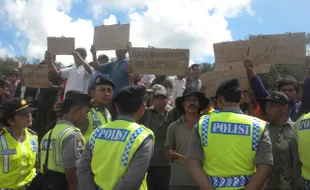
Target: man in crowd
{"x":77,"y":76}
{"x":118,"y":154}
{"x":286,"y":168}
{"x":99,"y":115}
{"x":178,"y":87}
{"x":193,"y":79}
{"x":226,"y":147}
{"x":102,"y":59}
{"x":288,"y":85}
{"x":178,"y":136}
{"x":156,"y":119}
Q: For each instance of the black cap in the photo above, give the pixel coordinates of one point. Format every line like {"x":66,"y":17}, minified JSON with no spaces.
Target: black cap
{"x":15,"y":106}
{"x":104,"y":80}
{"x":79,"y":98}
{"x":228,"y":86}
{"x":276,"y":96}
{"x":203,"y":100}
{"x":130,"y":93}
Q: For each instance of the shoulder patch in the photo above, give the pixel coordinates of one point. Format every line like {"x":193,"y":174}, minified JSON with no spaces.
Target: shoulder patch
{"x":32,"y":132}
{"x":2,"y":131}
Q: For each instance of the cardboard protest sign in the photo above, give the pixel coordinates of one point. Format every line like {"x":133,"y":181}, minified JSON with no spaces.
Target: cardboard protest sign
{"x":212,"y":80}
{"x":228,"y":52}
{"x":35,"y":76}
{"x":111,"y":37}
{"x":278,"y":49}
{"x":159,"y":61}
{"x":240,"y":66}
{"x":60,"y":46}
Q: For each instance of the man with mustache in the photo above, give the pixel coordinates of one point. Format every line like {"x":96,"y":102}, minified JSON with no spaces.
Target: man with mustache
{"x":178,"y":136}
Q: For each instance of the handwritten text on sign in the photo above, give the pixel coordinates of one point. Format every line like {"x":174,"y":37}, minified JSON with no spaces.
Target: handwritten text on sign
{"x":212,"y":80}
{"x":228,"y":52}
{"x":60,"y":46}
{"x":159,"y":61}
{"x":278,"y":49}
{"x":111,"y":37}
{"x":35,"y":76}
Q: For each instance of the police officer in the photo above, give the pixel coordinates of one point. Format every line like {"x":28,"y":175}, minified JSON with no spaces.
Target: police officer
{"x":230,"y":150}
{"x":303,"y":132}
{"x":66,"y":143}
{"x":118,"y":154}
{"x":102,"y":94}
{"x":18,"y":146}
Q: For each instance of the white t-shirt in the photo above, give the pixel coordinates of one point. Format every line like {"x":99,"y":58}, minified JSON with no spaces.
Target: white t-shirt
{"x":178,"y":88}
{"x":77,"y":79}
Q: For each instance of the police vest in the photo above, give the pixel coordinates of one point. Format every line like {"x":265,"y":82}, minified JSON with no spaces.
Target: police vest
{"x":96,"y":119}
{"x":303,"y":131}
{"x":59,"y":133}
{"x":230,"y":141}
{"x":17,"y":159}
{"x":113,"y":147}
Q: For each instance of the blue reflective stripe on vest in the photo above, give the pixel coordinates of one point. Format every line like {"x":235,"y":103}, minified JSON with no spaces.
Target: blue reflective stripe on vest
{"x":235,"y":181}
{"x":93,"y":138}
{"x":255,"y":137}
{"x":96,"y":119}
{"x":205,"y":124}
{"x":304,"y":184}
{"x":129,"y":145}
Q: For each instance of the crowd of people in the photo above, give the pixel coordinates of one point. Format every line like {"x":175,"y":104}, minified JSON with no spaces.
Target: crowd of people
{"x":101,"y":126}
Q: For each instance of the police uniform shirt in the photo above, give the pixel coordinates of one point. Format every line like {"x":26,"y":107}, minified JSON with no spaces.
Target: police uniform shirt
{"x":72,"y":147}
{"x":134,"y":175}
{"x":263,"y":154}
{"x":104,"y":113}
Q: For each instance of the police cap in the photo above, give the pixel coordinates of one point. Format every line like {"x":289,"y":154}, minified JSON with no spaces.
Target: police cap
{"x":15,"y":106}
{"x":104,"y":80}
{"x":228,"y":86}
{"x":79,"y":98}
{"x":130,"y":93}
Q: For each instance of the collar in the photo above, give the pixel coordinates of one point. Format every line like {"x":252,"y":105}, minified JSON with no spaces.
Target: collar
{"x":288,"y":122}
{"x":9,"y":129}
{"x":166,"y":109}
{"x":126,"y":118}
{"x":124,"y":60}
{"x":232,"y":109}
{"x":61,"y":121}
{"x":176,"y":78}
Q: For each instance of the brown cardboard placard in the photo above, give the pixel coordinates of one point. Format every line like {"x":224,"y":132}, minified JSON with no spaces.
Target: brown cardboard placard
{"x":60,"y":46}
{"x":161,"y":61}
{"x":212,"y":80}
{"x":35,"y":76}
{"x":111,"y":37}
{"x":228,"y":52}
{"x":240,"y":66}
{"x":287,"y":48}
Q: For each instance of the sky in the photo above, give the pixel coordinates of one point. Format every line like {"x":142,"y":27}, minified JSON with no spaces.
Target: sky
{"x":193,"y":24}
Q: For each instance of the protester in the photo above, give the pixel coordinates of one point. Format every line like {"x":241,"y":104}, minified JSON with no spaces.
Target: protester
{"x":65,"y":144}
{"x":102,"y":59}
{"x":286,"y":168}
{"x":178,"y":136}
{"x":120,"y":160}
{"x":193,"y":80}
{"x":77,"y":76}
{"x":156,"y":119}
{"x":289,"y":86}
{"x":178,"y":83}
{"x":230,"y":149}
{"x":19,"y":146}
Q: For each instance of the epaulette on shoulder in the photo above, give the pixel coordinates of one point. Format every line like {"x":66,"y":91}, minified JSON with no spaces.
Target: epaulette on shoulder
{"x":2,"y":131}
{"x":32,"y":132}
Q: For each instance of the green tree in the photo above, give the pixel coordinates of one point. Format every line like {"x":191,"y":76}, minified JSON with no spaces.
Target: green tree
{"x":8,"y":64}
{"x":207,"y":67}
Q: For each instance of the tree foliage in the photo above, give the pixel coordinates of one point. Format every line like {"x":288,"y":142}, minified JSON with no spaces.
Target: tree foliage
{"x":8,"y":64}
